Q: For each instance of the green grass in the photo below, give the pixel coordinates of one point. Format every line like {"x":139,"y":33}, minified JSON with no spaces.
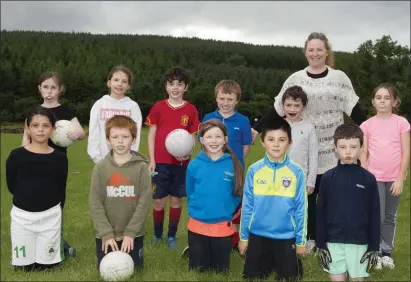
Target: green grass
{"x":160,"y":263}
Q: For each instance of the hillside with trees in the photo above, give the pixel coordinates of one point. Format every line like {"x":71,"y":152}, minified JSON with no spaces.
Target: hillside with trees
{"x":84,"y":61}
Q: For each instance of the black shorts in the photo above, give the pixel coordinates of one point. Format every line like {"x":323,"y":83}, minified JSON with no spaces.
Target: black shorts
{"x":136,"y":254}
{"x":209,"y":253}
{"x":170,"y":180}
{"x":265,"y":255}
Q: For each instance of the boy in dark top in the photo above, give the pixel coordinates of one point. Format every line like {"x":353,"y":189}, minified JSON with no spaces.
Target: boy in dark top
{"x":348,"y":217}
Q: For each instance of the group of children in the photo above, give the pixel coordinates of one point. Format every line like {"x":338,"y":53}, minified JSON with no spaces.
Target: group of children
{"x":262,"y":210}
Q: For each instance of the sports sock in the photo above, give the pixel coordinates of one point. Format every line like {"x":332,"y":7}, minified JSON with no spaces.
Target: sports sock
{"x":173,"y":220}
{"x":158,"y":218}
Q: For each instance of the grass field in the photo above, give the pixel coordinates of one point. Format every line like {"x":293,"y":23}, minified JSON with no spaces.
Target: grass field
{"x":161,"y":263}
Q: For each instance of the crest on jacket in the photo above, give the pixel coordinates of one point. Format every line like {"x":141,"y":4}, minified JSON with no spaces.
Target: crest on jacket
{"x":286,"y":181}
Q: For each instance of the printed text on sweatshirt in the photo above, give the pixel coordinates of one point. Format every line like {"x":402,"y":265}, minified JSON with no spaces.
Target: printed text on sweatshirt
{"x":102,"y":110}
{"x":120,"y":197}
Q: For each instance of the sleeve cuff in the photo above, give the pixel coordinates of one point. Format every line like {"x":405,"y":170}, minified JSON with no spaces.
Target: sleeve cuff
{"x":311,"y":184}
{"x":130,"y":234}
{"x":108,"y":236}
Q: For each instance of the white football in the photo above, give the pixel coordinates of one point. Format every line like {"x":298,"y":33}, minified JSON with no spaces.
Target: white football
{"x":179,"y":143}
{"x":116,"y":266}
{"x":59,"y":136}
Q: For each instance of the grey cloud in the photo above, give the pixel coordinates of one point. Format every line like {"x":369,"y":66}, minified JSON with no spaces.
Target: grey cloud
{"x":347,"y":24}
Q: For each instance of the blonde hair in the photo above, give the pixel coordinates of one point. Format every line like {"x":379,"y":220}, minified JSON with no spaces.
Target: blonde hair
{"x":238,"y":168}
{"x":228,"y":86}
{"x":329,"y":61}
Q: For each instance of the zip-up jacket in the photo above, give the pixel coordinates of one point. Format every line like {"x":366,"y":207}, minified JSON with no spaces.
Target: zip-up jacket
{"x":209,"y":187}
{"x":348,"y":207}
{"x":275,"y":201}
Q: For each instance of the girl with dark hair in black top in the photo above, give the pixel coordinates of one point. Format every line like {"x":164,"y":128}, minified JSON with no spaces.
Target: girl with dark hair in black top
{"x":36,"y":176}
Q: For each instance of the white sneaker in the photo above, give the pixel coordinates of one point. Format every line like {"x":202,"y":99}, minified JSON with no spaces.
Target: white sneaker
{"x":310,"y":246}
{"x":379,"y":263}
{"x":388,"y":262}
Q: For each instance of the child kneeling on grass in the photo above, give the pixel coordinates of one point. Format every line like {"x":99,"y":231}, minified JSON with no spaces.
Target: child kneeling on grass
{"x":214,"y":184}
{"x":120,"y":196}
{"x":36,"y":176}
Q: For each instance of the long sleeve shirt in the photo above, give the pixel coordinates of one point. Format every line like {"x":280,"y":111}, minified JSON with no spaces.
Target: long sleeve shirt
{"x":102,"y":110}
{"x":37,"y":181}
{"x":274,"y":201}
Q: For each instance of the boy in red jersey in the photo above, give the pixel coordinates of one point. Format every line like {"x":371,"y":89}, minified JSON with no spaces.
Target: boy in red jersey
{"x":169,"y":173}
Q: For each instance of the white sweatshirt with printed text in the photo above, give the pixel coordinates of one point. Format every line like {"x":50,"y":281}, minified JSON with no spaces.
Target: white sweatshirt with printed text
{"x":102,"y":110}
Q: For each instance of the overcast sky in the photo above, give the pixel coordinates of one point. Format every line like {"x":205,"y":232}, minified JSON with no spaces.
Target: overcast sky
{"x":347,"y":24}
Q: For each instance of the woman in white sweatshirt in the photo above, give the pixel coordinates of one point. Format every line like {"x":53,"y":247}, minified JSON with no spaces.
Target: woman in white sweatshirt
{"x":330,"y":94}
{"x":118,"y":81}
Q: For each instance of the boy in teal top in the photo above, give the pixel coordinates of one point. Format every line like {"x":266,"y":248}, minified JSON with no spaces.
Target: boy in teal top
{"x":273,"y":224}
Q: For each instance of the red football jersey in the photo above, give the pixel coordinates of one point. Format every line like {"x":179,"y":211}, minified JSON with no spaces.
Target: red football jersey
{"x":167,"y":118}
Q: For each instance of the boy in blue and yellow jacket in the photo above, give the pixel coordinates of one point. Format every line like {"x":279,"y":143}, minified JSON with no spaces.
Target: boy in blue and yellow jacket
{"x":274,"y":211}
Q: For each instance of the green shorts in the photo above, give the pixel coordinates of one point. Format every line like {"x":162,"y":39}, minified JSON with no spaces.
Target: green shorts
{"x":346,"y":258}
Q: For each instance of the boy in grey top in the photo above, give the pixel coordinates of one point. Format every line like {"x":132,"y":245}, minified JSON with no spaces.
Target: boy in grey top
{"x":304,"y":150}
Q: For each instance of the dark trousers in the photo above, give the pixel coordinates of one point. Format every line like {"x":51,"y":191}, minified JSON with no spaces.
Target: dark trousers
{"x":136,"y":254}
{"x":265,"y":255}
{"x":312,"y":209}
{"x":209,"y":253}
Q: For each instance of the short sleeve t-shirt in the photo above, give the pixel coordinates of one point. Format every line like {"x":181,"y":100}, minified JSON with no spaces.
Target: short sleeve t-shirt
{"x":61,"y":113}
{"x":167,"y":118}
{"x":384,"y":145}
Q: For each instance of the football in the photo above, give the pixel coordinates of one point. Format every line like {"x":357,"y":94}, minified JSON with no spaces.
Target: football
{"x":116,"y":266}
{"x":179,"y":143}
{"x":59,"y":135}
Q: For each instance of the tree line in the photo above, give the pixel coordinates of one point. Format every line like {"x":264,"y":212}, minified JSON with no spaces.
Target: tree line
{"x":84,"y":61}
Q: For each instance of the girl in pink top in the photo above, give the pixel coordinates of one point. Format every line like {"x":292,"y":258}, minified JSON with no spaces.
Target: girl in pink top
{"x":387,"y":156}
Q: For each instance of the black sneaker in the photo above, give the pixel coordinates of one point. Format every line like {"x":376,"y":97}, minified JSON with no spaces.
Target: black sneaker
{"x":68,"y":250}
{"x":184,"y":253}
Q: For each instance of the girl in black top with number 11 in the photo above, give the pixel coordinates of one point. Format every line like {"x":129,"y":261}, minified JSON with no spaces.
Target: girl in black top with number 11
{"x":36,"y":176}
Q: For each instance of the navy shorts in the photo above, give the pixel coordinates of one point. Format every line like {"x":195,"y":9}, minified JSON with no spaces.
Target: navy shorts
{"x":170,"y":180}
